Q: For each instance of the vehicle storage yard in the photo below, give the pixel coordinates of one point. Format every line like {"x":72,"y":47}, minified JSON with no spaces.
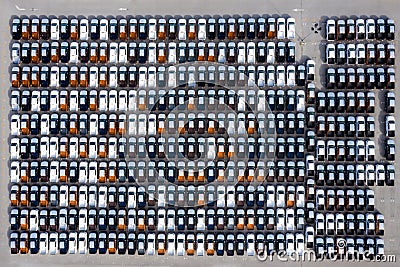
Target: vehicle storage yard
{"x":294,"y":120}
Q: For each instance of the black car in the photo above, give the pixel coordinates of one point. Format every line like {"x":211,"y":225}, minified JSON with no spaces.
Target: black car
{"x":34,"y":243}
{"x":45,"y":52}
{"x":54,"y":124}
{"x":113,"y":30}
{"x":63,"y":243}
{"x":24,"y":148}
{"x":83,"y":100}
{"x":64,"y":29}
{"x":221,"y":28}
{"x":34,"y":172}
{"x":26,"y":53}
{"x":131,"y":243}
{"x":94,"y":29}
{"x":84,"y":52}
{"x":83,"y":129}
{"x":44,"y":76}
{"x":44,"y":101}
{"x":92,"y":243}
{"x":211,"y":29}
{"x":45,"y":29}
{"x":64,"y":76}
{"x":73,"y":172}
{"x":14,"y":219}
{"x":16,"y":29}
{"x":121,"y":243}
{"x":132,"y":52}
{"x":64,"y":52}
{"x":34,"y":196}
{"x":142,"y":29}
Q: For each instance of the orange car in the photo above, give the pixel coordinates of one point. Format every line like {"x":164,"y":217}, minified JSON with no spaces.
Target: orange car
{"x":24,"y":243}
{"x":122,"y":124}
{"x":112,"y":172}
{"x":103,"y":147}
{"x":192,"y":29}
{"x":35,"y":29}
{"x":211,"y":52}
{"x":44,"y":196}
{"x":271,"y":28}
{"x":35,"y":57}
{"x":123,"y":29}
{"x":181,"y":175}
{"x":26,"y":29}
{"x":190,"y":245}
{"x":64,"y":147}
{"x":24,"y":172}
{"x":162,"y":25}
{"x":231,"y":28}
{"x":94,"y":52}
{"x":64,"y":100}
{"x":16,"y":77}
{"x":73,"y":76}
{"x":83,"y":152}
{"x":73,"y":196}
{"x":112,"y":127}
{"x":74,"y":29}
{"x":35,"y":76}
{"x":122,"y":220}
{"x":201,"y":176}
{"x":201,"y":52}
{"x":24,"y":195}
{"x":55,"y":52}
{"x":93,"y":100}
{"x":102,"y":172}
{"x":132,"y":29}
{"x":103,"y":52}
{"x":240,"y":219}
{"x":25,"y":78}
{"x":83,"y":76}
{"x":162,"y":58}
{"x":14,"y":195}
{"x":210,"y":244}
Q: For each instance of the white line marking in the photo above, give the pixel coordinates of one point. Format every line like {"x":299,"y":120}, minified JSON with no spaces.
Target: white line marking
{"x":122,"y":9}
{"x":298,"y":9}
{"x":18,"y":8}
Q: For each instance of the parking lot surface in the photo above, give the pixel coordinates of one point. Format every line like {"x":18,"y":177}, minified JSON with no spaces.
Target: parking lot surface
{"x":306,"y":13}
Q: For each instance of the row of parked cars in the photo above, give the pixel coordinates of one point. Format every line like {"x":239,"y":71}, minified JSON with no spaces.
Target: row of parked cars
{"x":349,"y":101}
{"x":132,"y":52}
{"x":170,"y":220}
{"x":121,"y":171}
{"x":360,"y":78}
{"x":152,"y":29}
{"x":341,"y":126}
{"x":208,"y":148}
{"x":200,"y":244}
{"x":360,"y":29}
{"x":354,"y":174}
{"x":161,"y":100}
{"x":220,"y":196}
{"x":151,"y":77}
{"x":132,"y":196}
{"x":360,"y":54}
{"x":350,"y":150}
{"x":243,"y":124}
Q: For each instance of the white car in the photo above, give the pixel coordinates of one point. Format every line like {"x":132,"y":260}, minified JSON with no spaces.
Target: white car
{"x":330,"y":30}
{"x":53,"y":243}
{"x":142,"y":77}
{"x":180,"y":248}
{"x":182,"y":29}
{"x":280,"y":76}
{"x":16,"y":53}
{"x":291,"y":28}
{"x":291,"y":75}
{"x":122,"y":53}
{"x":72,"y":242}
{"x":113,"y":53}
{"x":281,"y":27}
{"x":152,"y":29}
{"x":201,"y":30}
{"x":55,"y":29}
{"x":103,"y":29}
{"x":43,"y":241}
{"x":84,"y":29}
